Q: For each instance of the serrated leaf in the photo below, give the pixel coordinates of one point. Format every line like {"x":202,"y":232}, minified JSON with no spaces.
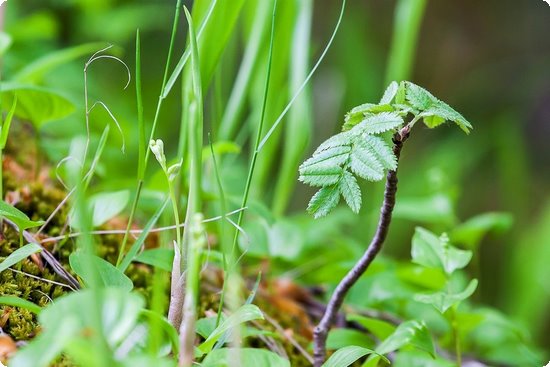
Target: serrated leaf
{"x":346,"y":356}
{"x":379,"y":123}
{"x":442,"y":301}
{"x":342,"y":139}
{"x":320,"y":175}
{"x":441,"y":112}
{"x":331,"y":157}
{"x":390,"y":93}
{"x":412,"y":333}
{"x":400,"y":95}
{"x":364,"y":164}
{"x":350,"y":191}
{"x":358,"y":114}
{"x":419,"y":97}
{"x":380,"y":150}
{"x":324,"y":201}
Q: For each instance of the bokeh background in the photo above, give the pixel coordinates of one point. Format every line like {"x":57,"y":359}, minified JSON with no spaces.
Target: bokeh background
{"x":489,"y":59}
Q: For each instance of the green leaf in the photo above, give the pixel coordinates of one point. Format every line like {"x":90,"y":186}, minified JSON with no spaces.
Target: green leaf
{"x":342,"y":337}
{"x":110,"y":276}
{"x":243,"y":314}
{"x":161,"y":258}
{"x":20,"y":302}
{"x":442,"y":301}
{"x":329,"y":158}
{"x":66,"y":320}
{"x":19,"y":254}
{"x":346,"y":356}
{"x":350,"y":191}
{"x":419,"y":97}
{"x":321,"y":175}
{"x":364,"y":163}
{"x":5,"y":128}
{"x":247,"y":357}
{"x":379,"y":123}
{"x":390,"y":93}
{"x":472,"y":231}
{"x":433,"y":111}
{"x":17,"y":216}
{"x":400,"y":95}
{"x":107,"y":205}
{"x":431,"y":251}
{"x":36,"y":104}
{"x":324,"y":201}
{"x":413,"y":333}
{"x":381,"y":151}
{"x":341,"y":139}
{"x":132,"y":252}
{"x":379,"y":328}
{"x":34,"y":71}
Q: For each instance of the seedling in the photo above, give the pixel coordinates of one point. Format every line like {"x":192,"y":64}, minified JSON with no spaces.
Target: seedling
{"x":361,"y":150}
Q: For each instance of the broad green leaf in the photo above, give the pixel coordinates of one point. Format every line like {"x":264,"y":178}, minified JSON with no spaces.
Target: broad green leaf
{"x":43,"y":349}
{"x":342,"y":337}
{"x":36,"y":104}
{"x":148,"y":361}
{"x":413,"y":333}
{"x":19,"y":254}
{"x":324,"y":201}
{"x":247,"y":357}
{"x":20,"y":302}
{"x":350,"y":191}
{"x":17,"y":216}
{"x":431,"y":251}
{"x":390,"y":93}
{"x":471,"y":232}
{"x":34,"y":71}
{"x":110,"y":276}
{"x":243,"y":314}
{"x":379,"y":328}
{"x":161,"y":258}
{"x":70,"y":317}
{"x":442,"y":301}
{"x":164,"y":324}
{"x":5,"y":127}
{"x":107,"y":205}
{"x":347,"y":356}
{"x":379,"y":123}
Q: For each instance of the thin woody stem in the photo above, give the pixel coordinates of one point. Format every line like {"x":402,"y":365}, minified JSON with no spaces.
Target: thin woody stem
{"x":333,"y":306}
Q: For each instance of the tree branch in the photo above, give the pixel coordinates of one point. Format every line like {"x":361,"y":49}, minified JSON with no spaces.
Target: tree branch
{"x":321,"y":331}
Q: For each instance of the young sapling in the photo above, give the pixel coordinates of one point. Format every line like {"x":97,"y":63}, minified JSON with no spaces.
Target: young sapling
{"x":361,"y":150}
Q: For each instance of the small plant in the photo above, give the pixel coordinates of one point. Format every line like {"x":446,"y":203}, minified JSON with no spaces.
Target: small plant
{"x":361,"y":150}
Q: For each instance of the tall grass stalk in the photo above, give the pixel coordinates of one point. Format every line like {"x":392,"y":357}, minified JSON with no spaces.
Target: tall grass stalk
{"x":4,"y":131}
{"x":194,"y":237}
{"x":142,"y":143}
{"x":237,"y":99}
{"x":406,"y":25}
{"x":255,"y":153}
{"x":299,"y":126}
{"x":305,"y":82}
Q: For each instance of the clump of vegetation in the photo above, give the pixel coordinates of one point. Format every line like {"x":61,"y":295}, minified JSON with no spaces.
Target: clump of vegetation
{"x":208,"y":258}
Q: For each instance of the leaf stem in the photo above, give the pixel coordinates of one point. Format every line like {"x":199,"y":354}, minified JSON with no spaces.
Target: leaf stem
{"x":337,"y":298}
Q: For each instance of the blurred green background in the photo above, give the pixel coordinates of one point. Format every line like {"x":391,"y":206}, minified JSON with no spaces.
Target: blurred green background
{"x":488,"y":59}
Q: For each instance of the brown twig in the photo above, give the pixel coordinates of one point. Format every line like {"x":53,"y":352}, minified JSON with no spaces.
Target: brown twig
{"x":321,"y":331}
